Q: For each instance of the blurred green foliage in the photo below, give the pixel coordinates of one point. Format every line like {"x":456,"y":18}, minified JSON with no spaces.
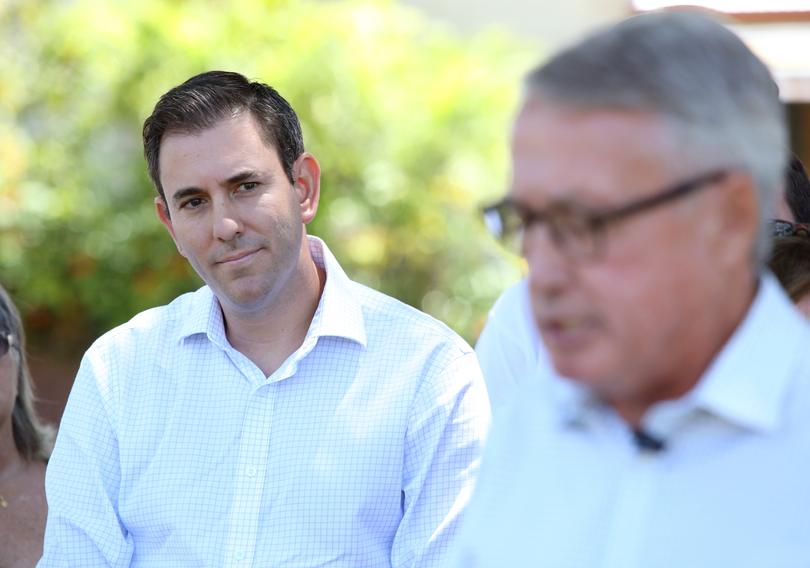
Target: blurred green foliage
{"x":408,"y":120}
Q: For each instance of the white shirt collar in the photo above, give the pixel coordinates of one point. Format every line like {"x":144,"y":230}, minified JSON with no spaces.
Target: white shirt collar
{"x":338,"y":314}
{"x":748,"y":381}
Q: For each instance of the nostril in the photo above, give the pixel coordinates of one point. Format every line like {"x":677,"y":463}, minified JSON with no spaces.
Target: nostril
{"x":226,"y":228}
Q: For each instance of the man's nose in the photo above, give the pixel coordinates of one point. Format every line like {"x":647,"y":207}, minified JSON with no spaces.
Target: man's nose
{"x":550,"y":268}
{"x":226,"y":221}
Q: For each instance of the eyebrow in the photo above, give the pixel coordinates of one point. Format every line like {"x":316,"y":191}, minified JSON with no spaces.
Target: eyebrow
{"x":185,"y":192}
{"x":243,"y":175}
{"x":236,"y":178}
{"x":564,"y":201}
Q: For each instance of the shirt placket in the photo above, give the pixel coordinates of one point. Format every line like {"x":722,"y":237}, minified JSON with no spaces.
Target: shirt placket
{"x":251,"y":473}
{"x":635,"y":495}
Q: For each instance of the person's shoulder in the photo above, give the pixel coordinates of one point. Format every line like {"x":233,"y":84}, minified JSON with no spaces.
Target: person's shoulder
{"x":512,"y":307}
{"x":510,"y":320}
{"x":387,"y":315}
{"x":154,"y":325}
{"x":770,"y":347}
{"x":798,"y":368}
{"x":513,"y":298}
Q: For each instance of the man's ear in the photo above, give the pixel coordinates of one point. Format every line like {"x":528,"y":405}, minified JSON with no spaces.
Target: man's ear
{"x":738,"y":206}
{"x":162,"y":211}
{"x":307,"y":173}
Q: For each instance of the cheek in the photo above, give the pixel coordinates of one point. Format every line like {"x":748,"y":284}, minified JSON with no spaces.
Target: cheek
{"x":189,"y":237}
{"x":631,"y":302}
{"x":8,"y":383}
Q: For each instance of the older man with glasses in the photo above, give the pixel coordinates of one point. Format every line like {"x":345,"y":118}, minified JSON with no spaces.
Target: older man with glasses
{"x":665,"y":420}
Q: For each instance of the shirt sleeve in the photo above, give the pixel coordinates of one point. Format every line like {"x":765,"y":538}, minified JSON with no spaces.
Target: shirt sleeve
{"x":83,"y":478}
{"x":474,"y":546}
{"x":448,"y":423}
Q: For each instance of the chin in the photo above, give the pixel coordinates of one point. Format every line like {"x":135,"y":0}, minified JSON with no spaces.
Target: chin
{"x":245,"y":299}
{"x":582,"y":370}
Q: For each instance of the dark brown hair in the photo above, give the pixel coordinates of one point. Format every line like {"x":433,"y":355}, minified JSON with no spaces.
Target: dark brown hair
{"x":797,"y":190}
{"x":790,"y":262}
{"x":205,"y":99}
{"x":33,"y":439}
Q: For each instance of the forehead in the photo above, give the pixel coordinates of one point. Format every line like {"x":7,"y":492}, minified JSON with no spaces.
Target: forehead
{"x":230,"y":143}
{"x":588,"y":155}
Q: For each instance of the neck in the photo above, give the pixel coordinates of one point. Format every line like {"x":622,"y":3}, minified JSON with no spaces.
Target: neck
{"x":710,"y":333}
{"x":269,"y":335}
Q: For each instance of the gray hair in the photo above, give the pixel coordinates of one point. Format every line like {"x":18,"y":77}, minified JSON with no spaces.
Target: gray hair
{"x":721,"y":101}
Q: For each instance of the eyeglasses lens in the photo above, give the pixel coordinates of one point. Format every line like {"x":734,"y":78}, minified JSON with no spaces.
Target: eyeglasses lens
{"x":570,"y":229}
{"x":781,"y":228}
{"x":574,"y":233}
{"x":505,"y":224}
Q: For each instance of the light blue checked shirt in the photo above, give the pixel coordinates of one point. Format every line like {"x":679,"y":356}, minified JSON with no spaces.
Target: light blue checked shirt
{"x":359,"y":451}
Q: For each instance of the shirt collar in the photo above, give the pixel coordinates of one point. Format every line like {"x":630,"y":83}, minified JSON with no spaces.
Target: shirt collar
{"x":574,"y":402}
{"x":341,"y":314}
{"x":748,"y":380}
{"x":338,"y":314}
{"x":203,"y":316}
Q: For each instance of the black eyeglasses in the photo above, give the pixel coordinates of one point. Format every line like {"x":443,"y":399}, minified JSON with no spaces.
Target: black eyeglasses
{"x":782,"y":228}
{"x":576,"y":229}
{"x":7,"y":341}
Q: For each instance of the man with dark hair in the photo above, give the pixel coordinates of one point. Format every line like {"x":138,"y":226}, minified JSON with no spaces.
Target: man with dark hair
{"x":664,"y":422}
{"x":282,"y":414}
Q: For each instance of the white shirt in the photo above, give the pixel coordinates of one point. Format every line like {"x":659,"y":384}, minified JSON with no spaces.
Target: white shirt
{"x":563,"y":485}
{"x":176,"y":450}
{"x":509,"y":348}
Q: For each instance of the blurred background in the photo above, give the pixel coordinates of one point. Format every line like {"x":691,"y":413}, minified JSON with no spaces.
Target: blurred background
{"x":407,"y":105}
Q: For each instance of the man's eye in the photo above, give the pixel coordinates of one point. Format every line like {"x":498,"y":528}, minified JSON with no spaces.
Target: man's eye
{"x":525,"y":216}
{"x":249,"y":185}
{"x":192,"y":203}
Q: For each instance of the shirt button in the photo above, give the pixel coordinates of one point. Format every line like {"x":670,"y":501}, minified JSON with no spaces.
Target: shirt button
{"x":251,"y":471}
{"x":239,"y":555}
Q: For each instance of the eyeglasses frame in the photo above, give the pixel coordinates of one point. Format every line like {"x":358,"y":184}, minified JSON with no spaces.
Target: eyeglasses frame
{"x":790,"y":228}
{"x":10,"y":341}
{"x":598,"y":221}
